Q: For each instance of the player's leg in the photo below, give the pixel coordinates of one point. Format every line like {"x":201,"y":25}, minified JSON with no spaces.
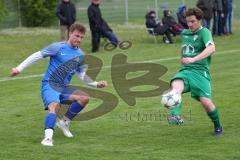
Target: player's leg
{"x":178,"y":85}
{"x":201,"y":90}
{"x":50,"y":122}
{"x":174,"y":118}
{"x":79,"y":101}
{"x":51,"y":102}
{"x":213,"y":114}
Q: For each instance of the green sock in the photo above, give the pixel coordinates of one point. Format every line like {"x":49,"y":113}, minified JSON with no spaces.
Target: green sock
{"x":176,"y":111}
{"x":214,"y":116}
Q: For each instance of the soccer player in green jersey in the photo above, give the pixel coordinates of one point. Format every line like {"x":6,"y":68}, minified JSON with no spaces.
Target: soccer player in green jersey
{"x":193,"y":76}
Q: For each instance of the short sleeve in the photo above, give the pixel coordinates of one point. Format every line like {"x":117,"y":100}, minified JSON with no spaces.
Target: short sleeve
{"x":207,"y":37}
{"x":51,"y":50}
{"x":82,"y":69}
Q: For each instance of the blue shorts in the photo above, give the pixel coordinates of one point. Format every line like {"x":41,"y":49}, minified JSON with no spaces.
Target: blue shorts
{"x":50,"y":95}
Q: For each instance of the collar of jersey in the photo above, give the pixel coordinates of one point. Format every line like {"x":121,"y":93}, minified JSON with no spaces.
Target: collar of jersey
{"x":201,"y":27}
{"x":71,"y":46}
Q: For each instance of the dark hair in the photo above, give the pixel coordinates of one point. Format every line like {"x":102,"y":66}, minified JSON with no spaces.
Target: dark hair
{"x":194,"y":12}
{"x":77,"y":26}
{"x":165,"y":12}
{"x":149,"y":13}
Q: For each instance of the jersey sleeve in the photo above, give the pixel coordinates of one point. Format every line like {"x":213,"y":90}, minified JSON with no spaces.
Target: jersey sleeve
{"x":81,"y":73}
{"x":81,"y":69}
{"x":30,"y":60}
{"x":207,"y":37}
{"x":50,"y":50}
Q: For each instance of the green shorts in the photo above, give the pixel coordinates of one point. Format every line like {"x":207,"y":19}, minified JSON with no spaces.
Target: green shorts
{"x":196,"y":82}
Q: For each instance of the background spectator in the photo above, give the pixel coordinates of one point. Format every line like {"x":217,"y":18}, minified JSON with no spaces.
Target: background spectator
{"x":171,"y":22}
{"x":66,"y":12}
{"x":181,"y":16}
{"x":224,"y":17}
{"x":108,"y":33}
{"x":159,"y":28}
{"x":217,"y":17}
{"x":99,"y":27}
{"x":207,"y":7}
{"x":229,"y":17}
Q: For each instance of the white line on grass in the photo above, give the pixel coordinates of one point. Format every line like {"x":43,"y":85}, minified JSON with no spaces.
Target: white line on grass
{"x":16,"y":78}
{"x":3,"y":79}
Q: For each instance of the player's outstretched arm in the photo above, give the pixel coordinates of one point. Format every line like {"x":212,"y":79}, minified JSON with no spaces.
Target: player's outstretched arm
{"x":27,"y":62}
{"x":101,"y":84}
{"x":14,"y":72}
{"x":87,"y":80}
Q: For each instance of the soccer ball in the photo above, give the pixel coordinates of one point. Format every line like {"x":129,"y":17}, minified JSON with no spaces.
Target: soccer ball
{"x":171,"y":99}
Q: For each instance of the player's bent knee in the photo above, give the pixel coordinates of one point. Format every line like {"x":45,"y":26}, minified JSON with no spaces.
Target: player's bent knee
{"x":206,"y":101}
{"x":178,"y":85}
{"x":207,"y":104}
{"x":54,"y":107}
{"x":83,"y":100}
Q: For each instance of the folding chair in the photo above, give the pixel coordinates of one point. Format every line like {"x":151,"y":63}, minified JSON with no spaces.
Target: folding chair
{"x":152,"y":33}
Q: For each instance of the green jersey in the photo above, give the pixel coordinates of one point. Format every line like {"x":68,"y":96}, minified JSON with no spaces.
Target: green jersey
{"x":193,"y":43}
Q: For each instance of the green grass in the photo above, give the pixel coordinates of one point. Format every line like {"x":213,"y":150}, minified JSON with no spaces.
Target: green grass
{"x":116,"y":136}
{"x":114,"y":11}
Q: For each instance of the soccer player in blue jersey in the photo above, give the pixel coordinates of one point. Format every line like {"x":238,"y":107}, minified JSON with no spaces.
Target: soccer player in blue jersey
{"x":66,"y":59}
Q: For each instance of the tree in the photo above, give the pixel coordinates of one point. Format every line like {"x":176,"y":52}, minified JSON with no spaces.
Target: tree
{"x":3,"y":11}
{"x":38,"y":12}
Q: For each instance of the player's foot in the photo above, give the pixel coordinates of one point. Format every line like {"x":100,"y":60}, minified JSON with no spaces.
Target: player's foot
{"x":65,"y":128}
{"x":218,"y":131}
{"x":167,"y":41}
{"x":47,"y":142}
{"x":175,"y":119}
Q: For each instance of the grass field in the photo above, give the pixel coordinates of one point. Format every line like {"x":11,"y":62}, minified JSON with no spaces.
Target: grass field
{"x":114,"y":11}
{"x":121,"y":134}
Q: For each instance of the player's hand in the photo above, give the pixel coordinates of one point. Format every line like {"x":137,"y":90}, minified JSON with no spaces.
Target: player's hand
{"x":188,"y":60}
{"x":14,"y":72}
{"x":102,"y":84}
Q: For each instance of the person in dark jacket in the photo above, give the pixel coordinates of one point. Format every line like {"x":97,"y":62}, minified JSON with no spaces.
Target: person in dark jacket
{"x":224,"y":18}
{"x":159,"y":28}
{"x":181,"y":16}
{"x":217,"y":17}
{"x":207,"y":7}
{"x":99,"y":27}
{"x":170,"y":21}
{"x":66,"y":12}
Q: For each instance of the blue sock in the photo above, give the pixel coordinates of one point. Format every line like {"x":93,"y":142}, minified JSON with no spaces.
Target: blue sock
{"x":50,"y":121}
{"x":73,"y":110}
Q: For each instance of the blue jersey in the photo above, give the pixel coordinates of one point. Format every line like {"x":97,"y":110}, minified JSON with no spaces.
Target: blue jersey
{"x":62,"y":58}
